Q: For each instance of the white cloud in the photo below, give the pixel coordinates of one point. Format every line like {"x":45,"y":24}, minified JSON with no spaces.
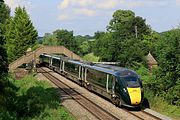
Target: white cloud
{"x":82,"y":3}
{"x":84,"y":11}
{"x":108,"y":4}
{"x":15,"y":3}
{"x":92,"y":8}
{"x":64,"y":4}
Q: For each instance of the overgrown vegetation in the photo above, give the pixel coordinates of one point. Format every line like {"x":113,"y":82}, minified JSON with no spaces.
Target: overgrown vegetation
{"x":34,"y":99}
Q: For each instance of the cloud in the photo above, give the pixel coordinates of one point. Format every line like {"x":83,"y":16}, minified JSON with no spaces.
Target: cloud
{"x":64,"y":4}
{"x":82,"y":3}
{"x":15,"y":3}
{"x":93,"y":8}
{"x":84,"y":11}
{"x":107,"y":4}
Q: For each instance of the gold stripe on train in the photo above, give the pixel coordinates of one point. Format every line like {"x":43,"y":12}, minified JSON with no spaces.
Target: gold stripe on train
{"x":135,"y":95}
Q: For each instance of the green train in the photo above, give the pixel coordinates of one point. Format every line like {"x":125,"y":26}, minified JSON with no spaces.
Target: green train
{"x":120,"y":85}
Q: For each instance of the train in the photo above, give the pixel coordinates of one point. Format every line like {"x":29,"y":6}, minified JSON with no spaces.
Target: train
{"x":121,"y":86}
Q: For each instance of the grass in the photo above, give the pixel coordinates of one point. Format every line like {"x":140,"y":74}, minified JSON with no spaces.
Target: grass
{"x":160,"y":105}
{"x":37,"y":100}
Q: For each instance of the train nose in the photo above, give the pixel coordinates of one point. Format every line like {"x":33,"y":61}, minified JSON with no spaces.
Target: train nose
{"x":135,"y":95}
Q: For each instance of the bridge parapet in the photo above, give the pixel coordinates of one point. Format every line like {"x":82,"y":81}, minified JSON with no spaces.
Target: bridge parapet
{"x":45,"y":49}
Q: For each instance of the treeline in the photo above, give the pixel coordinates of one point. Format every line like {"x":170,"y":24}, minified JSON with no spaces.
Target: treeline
{"x":80,"y":45}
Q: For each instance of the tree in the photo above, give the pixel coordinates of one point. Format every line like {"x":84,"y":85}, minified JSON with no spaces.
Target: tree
{"x":105,"y":47}
{"x":50,"y":39}
{"x":83,"y":45}
{"x":20,"y":34}
{"x":4,"y":15}
{"x":120,"y":42}
{"x":168,"y":56}
{"x":6,"y":93}
{"x":66,"y":38}
{"x":124,"y":22}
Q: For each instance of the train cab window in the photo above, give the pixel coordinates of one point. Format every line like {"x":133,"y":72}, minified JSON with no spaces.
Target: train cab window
{"x":132,"y":81}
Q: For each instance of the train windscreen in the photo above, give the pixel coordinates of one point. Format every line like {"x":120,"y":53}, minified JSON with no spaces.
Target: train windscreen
{"x":131,"y":81}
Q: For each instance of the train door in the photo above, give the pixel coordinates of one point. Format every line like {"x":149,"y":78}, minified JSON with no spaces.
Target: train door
{"x":50,"y":61}
{"x":110,"y":84}
{"x":61,"y":65}
{"x":116,"y":98}
{"x":80,"y":73}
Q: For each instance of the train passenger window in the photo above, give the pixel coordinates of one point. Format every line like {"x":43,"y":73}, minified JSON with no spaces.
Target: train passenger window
{"x":97,"y":77}
{"x":56,"y":62}
{"x":72,"y":68}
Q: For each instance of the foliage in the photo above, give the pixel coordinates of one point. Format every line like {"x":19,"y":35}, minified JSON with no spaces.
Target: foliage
{"x":35,"y":100}
{"x":120,"y":42}
{"x":84,"y":48}
{"x":20,"y":33}
{"x":124,"y":22}
{"x":91,"y":58}
{"x":167,"y":52}
{"x":4,"y":15}
{"x":132,"y":52}
{"x":83,"y":45}
{"x":6,"y":92}
{"x":150,"y":86}
{"x":66,"y":39}
{"x":51,"y":40}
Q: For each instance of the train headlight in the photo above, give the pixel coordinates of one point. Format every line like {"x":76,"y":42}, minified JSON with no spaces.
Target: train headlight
{"x":124,"y":90}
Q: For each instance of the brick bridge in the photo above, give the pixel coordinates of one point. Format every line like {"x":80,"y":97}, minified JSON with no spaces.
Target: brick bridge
{"x":45,"y":49}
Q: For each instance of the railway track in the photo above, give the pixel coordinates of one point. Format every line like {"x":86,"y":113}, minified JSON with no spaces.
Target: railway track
{"x":143,"y":115}
{"x":93,"y":108}
{"x":97,"y":111}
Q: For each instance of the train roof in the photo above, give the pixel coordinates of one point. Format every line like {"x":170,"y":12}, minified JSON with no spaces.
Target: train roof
{"x":114,"y":70}
{"x":46,"y":55}
{"x":54,"y":57}
{"x":117,"y":71}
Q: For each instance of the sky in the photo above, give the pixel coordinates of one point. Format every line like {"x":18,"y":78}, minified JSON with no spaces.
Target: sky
{"x":84,"y":17}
